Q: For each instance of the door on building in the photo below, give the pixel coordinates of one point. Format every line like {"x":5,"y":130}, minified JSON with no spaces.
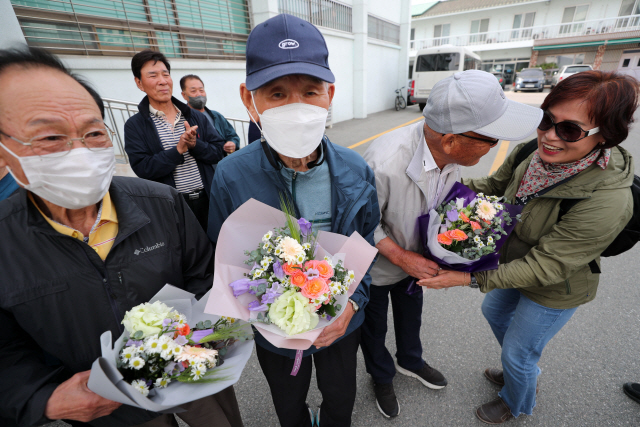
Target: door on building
{"x":630,"y":63}
{"x":509,"y":72}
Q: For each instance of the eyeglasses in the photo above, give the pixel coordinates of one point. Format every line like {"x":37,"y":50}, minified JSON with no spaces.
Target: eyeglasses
{"x":59,"y":145}
{"x":492,"y":142}
{"x":566,"y":131}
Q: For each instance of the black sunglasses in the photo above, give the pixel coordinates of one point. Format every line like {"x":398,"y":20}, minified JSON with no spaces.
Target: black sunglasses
{"x":566,"y":131}
{"x":492,"y":142}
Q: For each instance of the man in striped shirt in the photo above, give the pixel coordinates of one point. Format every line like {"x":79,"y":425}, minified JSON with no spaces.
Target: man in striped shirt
{"x":169,"y":142}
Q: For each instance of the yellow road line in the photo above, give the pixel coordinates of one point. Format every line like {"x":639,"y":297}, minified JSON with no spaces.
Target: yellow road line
{"x":500,"y":156}
{"x":364,"y":141}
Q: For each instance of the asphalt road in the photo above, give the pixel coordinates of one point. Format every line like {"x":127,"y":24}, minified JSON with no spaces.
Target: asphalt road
{"x":584,"y":366}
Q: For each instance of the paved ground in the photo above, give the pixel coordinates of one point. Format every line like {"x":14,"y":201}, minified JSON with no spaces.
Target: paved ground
{"x":584,"y":366}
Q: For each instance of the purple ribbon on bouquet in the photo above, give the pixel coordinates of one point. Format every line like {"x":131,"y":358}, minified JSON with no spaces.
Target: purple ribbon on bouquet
{"x":486,"y":262}
{"x":297,"y":363}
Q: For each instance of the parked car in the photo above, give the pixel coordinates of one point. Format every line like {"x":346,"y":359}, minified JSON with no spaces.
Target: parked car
{"x":529,"y":79}
{"x":548,"y":75}
{"x":567,"y":71}
{"x":500,"y":78}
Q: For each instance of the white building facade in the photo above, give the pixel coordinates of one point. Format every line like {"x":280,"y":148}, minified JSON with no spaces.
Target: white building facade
{"x":513,"y":34}
{"x":368,"y":43}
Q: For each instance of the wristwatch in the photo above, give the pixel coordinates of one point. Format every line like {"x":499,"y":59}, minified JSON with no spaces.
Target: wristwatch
{"x":474,"y":282}
{"x":356,"y":307}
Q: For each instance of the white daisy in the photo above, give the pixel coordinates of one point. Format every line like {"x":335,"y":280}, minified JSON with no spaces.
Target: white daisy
{"x":306,"y":246}
{"x":489,"y":240}
{"x":137,"y":362}
{"x":267,"y":247}
{"x":177,"y":350}
{"x":477,"y":239}
{"x":141,"y":386}
{"x":257,"y":273}
{"x":278,"y":251}
{"x":165,"y":345}
{"x":267,"y":236}
{"x":129,"y":353}
{"x":480,"y":245}
{"x":152,"y":345}
{"x":329,"y":261}
{"x":162,"y":382}
{"x":197,"y":373}
{"x":300,"y":259}
{"x":266,"y":262}
{"x":181,"y":319}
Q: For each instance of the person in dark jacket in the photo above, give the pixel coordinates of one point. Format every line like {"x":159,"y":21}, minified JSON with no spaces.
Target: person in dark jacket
{"x":167,"y":141}
{"x":79,"y":249}
{"x":330,"y":185}
{"x":193,"y":92}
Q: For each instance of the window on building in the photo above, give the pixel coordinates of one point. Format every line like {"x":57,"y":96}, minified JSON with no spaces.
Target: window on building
{"x":573,"y":14}
{"x":438,"y":62}
{"x":123,"y":27}
{"x":441,"y":34}
{"x":480,"y":27}
{"x":627,"y":9}
{"x":522,"y":24}
{"x":411,"y":41}
{"x":566,"y":59}
{"x":383,"y":30}
{"x":625,"y":63}
{"x":323,"y":13}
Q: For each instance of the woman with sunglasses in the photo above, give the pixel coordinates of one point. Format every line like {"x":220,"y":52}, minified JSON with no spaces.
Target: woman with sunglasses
{"x":549,"y":265}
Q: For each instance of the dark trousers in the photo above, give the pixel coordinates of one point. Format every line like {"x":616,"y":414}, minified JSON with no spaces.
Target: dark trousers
{"x":200,"y":207}
{"x":407,"y":318}
{"x":336,"y":375}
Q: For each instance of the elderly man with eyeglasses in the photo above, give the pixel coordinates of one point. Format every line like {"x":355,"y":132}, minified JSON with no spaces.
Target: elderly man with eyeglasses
{"x":415,"y":167}
{"x":78,"y":248}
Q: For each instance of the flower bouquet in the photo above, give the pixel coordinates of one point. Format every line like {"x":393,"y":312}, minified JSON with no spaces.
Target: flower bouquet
{"x":159,"y":357}
{"x":467,"y":230}
{"x":290,"y":286}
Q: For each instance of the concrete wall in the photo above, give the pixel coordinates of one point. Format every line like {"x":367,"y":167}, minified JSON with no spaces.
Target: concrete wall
{"x":112,"y":78}
{"x":341,"y":63}
{"x":382,"y":67}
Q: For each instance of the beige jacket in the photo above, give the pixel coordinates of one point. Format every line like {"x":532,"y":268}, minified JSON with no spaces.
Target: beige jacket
{"x":403,"y":193}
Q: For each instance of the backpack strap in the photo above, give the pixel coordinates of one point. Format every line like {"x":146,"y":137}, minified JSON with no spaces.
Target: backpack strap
{"x":525,"y":152}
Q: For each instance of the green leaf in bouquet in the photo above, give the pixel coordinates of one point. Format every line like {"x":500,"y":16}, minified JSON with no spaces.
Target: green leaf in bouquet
{"x":338,"y":307}
{"x":207,"y":324}
{"x":330,"y":310}
{"x":287,"y":206}
{"x":138,"y":335}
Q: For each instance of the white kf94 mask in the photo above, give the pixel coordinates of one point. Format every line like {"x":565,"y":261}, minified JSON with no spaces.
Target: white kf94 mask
{"x":76,"y":180}
{"x":293,"y":130}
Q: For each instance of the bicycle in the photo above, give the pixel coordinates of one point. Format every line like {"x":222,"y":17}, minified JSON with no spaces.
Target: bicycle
{"x":400,"y":101}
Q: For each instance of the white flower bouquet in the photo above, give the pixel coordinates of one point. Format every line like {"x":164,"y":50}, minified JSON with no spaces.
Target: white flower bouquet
{"x":161,"y":362}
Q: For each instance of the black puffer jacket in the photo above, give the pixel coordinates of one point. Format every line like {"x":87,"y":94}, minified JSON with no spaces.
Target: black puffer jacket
{"x":57,"y":296}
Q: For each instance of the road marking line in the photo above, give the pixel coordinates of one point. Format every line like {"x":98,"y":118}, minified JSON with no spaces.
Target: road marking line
{"x":500,"y":156}
{"x":364,"y":141}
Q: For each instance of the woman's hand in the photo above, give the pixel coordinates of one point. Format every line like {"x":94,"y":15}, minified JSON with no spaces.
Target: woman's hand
{"x":446,"y":279}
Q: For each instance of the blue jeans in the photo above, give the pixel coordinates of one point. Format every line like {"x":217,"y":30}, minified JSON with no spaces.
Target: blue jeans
{"x":523,"y":328}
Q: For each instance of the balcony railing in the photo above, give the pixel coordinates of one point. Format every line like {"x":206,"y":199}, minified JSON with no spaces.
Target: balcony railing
{"x":118,"y":112}
{"x":583,"y":28}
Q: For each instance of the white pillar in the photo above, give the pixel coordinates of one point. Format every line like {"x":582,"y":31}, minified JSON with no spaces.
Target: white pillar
{"x":261,"y":10}
{"x":360,"y":32}
{"x":10,"y":32}
{"x":405,"y":35}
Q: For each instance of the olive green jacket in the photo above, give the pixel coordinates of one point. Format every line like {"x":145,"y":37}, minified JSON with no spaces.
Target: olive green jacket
{"x":546,"y":259}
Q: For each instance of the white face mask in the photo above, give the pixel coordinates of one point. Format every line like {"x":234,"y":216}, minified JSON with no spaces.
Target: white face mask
{"x":76,"y":180}
{"x":293,"y":130}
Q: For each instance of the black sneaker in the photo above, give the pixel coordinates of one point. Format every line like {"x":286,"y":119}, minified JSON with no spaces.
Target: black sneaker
{"x":426,"y":375}
{"x":386,"y":400}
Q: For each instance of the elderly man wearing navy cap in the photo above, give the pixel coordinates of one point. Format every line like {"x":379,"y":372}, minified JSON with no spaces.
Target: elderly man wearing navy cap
{"x":288,"y":91}
{"x":415,"y":168}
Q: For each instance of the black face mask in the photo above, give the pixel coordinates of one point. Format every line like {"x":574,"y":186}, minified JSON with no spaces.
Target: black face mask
{"x":198,"y":102}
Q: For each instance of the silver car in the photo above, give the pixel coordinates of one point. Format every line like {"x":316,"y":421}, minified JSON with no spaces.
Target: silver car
{"x":567,"y":71}
{"x":530,"y":79}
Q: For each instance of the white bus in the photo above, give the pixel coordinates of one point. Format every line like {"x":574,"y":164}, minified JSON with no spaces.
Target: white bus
{"x":436,"y":63}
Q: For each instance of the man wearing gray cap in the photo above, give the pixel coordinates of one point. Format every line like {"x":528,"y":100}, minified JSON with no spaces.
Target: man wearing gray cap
{"x":415,"y":167}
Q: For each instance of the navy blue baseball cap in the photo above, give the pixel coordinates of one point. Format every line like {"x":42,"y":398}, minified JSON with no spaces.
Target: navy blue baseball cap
{"x":285,"y":45}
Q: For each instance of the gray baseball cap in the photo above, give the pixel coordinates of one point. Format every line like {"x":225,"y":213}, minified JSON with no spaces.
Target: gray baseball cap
{"x":473,"y":101}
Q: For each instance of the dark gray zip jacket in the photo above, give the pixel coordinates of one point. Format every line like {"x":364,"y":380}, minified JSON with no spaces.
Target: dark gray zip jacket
{"x":57,"y":296}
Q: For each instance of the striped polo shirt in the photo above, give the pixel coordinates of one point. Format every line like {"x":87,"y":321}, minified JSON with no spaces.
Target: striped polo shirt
{"x":187,"y":174}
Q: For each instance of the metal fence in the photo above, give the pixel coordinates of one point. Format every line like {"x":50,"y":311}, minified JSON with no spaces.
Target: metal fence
{"x":323,"y":13}
{"x":207,"y":29}
{"x":383,"y":30}
{"x":117,"y":113}
{"x":573,"y":29}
